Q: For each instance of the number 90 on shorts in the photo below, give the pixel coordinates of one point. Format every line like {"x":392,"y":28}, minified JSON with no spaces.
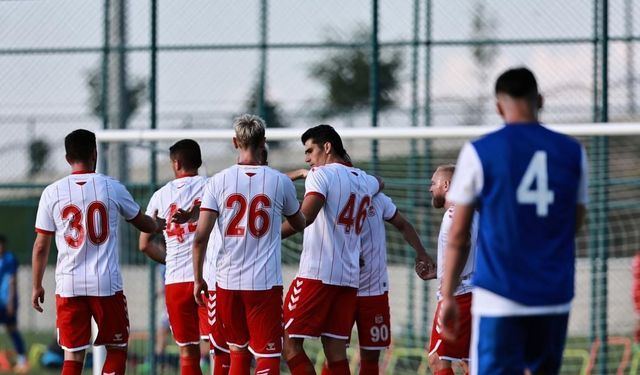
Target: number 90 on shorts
{"x":372,"y":319}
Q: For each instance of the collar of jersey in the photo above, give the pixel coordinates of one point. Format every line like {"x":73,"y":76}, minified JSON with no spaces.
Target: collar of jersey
{"x":248,"y":165}
{"x":186,"y":175}
{"x":345,"y":163}
{"x":82,"y":172}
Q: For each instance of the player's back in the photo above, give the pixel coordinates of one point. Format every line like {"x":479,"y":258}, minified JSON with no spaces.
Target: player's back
{"x":374,"y":278}
{"x":180,"y":193}
{"x":331,"y":244}
{"x":531,"y":182}
{"x":250,"y":201}
{"x":83,"y":209}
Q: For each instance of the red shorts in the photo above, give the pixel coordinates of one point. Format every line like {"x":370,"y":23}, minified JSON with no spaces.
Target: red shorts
{"x":373,"y":321}
{"x":635,"y":267}
{"x":210,"y":326}
{"x":313,"y":309}
{"x":183,"y":313}
{"x":73,"y":321}
{"x":459,"y":349}
{"x":253,"y":318}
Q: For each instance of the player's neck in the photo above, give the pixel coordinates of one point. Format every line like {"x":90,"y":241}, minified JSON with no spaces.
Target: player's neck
{"x":448,"y":205}
{"x":521,"y":118}
{"x":248,"y":157}
{"x":182,"y":174}
{"x":82,"y":167}
{"x":336,"y":159}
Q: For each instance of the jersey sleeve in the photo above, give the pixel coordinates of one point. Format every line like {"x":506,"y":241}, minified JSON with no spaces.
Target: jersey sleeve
{"x":468,"y":178}
{"x":153,"y":205}
{"x":44,"y":218}
{"x":209,"y":201}
{"x":583,"y":184}
{"x":291,"y":205}
{"x":316,"y":183}
{"x":373,"y":185}
{"x":127,"y":207}
{"x":389,"y":209}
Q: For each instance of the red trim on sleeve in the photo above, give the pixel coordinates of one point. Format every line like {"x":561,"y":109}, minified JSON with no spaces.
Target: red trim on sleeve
{"x":133,"y":218}
{"x":44,"y":231}
{"x":208,"y":209}
{"x":393,"y":216}
{"x":316,"y":194}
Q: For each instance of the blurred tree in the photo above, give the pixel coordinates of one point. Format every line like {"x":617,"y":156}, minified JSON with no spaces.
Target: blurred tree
{"x":345,"y":75}
{"x":483,"y":26}
{"x":272,"y":114}
{"x":38,"y":156}
{"x":134,"y":96}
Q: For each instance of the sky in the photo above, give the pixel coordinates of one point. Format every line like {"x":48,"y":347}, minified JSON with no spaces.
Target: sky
{"x":43,"y":92}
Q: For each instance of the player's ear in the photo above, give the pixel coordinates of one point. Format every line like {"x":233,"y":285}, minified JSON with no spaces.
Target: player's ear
{"x":327,"y":146}
{"x":235,"y":143}
{"x":499,"y":108}
{"x":540,"y":101}
{"x":66,"y":157}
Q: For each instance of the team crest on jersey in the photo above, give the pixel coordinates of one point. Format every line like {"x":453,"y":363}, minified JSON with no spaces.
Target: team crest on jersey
{"x":372,"y":211}
{"x":271,"y":346}
{"x":379,"y":319}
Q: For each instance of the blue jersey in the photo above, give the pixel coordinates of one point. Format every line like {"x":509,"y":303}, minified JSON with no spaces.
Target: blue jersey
{"x":8,"y":269}
{"x":526,"y":182}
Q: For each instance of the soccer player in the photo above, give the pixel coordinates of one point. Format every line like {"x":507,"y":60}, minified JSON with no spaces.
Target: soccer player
{"x":187,"y":323}
{"x":81,"y":211}
{"x":443,"y":352}
{"x":372,"y":315}
{"x":248,"y":201}
{"x":9,"y":303}
{"x":321,"y":300}
{"x":530,"y":187}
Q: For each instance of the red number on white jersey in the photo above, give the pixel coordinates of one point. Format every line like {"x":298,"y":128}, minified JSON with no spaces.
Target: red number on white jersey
{"x":175,"y":229}
{"x":348,"y":217}
{"x":95,"y":211}
{"x":259,"y":220}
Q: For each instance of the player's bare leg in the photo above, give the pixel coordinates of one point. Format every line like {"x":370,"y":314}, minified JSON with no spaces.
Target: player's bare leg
{"x":336,"y":352}
{"x":439,"y":366}
{"x":296,"y":358}
{"x":369,"y":360}
{"x":73,"y":363}
{"x":190,"y":360}
{"x":116,"y":360}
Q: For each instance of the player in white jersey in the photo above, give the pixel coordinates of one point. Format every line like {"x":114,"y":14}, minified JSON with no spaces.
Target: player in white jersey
{"x":248,"y":201}
{"x":188,"y":324}
{"x":443,"y":352}
{"x":81,"y":211}
{"x":321,"y":300}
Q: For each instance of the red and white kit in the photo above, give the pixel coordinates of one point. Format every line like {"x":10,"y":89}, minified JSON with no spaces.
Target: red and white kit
{"x":82,"y":210}
{"x":372,"y":309}
{"x":330,"y":257}
{"x":458,"y":350}
{"x":250,"y":201}
{"x":180,"y":193}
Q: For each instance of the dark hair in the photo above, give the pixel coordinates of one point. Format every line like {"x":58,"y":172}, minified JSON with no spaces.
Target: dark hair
{"x":326,"y":133}
{"x":187,"y":151}
{"x":3,"y":239}
{"x":80,"y":145}
{"x":518,"y":83}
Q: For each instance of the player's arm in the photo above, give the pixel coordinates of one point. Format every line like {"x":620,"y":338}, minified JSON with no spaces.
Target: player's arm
{"x":13,"y":287}
{"x":311,"y":206}
{"x":425,"y":266}
{"x":39,"y":257}
{"x":457,"y":253}
{"x":297,"y":174}
{"x":150,"y":246}
{"x":581,"y":215}
{"x":190,"y":215}
{"x":206,"y":221}
{"x":147,"y":224}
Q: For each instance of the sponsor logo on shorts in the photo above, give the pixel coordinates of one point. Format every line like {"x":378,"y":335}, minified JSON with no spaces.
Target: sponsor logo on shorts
{"x":117,"y":337}
{"x":379,"y":319}
{"x":271,"y":346}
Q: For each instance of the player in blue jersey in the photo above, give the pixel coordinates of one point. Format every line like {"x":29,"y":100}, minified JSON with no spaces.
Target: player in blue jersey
{"x":9,"y":302}
{"x":529,"y":185}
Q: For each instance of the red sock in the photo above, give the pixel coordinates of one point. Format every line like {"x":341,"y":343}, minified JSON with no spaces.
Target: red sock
{"x":72,"y":368}
{"x":116,"y":361}
{"x":325,"y":369}
{"x":190,"y":366}
{"x":240,"y":363}
{"x":268,"y":365}
{"x":369,"y":367}
{"x":339,"y":367}
{"x":445,"y":371}
{"x":221,"y":363}
{"x":301,"y":365}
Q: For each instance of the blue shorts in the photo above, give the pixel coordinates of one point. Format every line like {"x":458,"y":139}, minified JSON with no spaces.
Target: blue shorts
{"x":509,"y":345}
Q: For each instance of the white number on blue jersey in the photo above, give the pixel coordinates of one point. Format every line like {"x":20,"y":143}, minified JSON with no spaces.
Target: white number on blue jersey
{"x":536,"y":172}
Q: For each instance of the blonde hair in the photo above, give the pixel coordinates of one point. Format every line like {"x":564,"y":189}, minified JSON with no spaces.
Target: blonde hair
{"x":249,"y":130}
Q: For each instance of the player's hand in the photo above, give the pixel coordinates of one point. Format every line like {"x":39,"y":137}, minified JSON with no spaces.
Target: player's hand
{"x":181,"y":216}
{"x":161,"y":223}
{"x":200,"y":288}
{"x":37,"y":297}
{"x":449,"y":318}
{"x":425,"y":267}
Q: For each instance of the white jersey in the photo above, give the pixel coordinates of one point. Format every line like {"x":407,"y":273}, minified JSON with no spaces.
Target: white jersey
{"x":82,"y":210}
{"x":465,"y":285}
{"x":180,"y":193}
{"x":331,"y":244}
{"x":250,"y":201}
{"x":374,"y":278}
{"x":210,"y":259}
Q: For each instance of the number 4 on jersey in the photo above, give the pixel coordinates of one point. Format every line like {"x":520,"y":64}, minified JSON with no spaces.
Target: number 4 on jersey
{"x":536,"y":172}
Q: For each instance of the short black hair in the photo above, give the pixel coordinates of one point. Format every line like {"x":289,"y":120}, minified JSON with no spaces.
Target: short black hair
{"x":323,"y":133}
{"x":187,"y":151}
{"x":518,"y":83}
{"x":80,"y":145}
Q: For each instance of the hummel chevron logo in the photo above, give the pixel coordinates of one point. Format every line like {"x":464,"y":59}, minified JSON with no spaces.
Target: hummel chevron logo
{"x":211,"y":321}
{"x":295,"y":299}
{"x":211,"y":314}
{"x":211,"y":304}
{"x":299,"y":282}
{"x":296,"y":291}
{"x":291,"y":307}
